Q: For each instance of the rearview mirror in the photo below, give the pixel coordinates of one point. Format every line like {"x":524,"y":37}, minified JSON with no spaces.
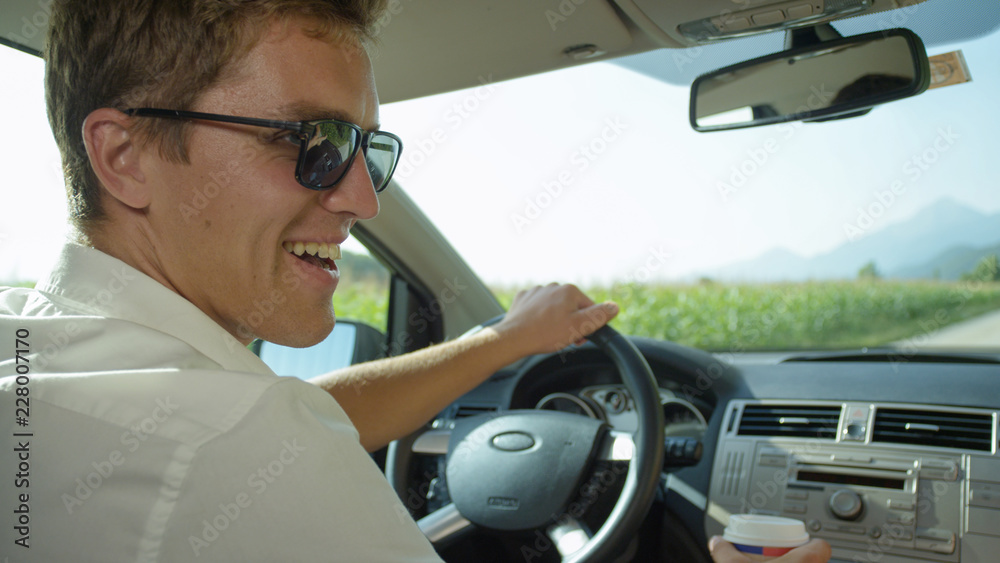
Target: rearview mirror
{"x":826,"y":80}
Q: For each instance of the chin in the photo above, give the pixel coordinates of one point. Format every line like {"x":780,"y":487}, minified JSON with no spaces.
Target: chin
{"x":301,"y":331}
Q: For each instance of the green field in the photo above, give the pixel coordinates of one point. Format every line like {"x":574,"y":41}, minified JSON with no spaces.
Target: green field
{"x":838,"y":314}
{"x":715,"y":316}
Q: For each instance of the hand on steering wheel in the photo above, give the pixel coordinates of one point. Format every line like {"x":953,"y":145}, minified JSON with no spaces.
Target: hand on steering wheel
{"x":520,"y":470}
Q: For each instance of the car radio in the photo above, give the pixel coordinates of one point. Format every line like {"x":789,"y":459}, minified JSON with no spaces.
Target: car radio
{"x":874,"y":502}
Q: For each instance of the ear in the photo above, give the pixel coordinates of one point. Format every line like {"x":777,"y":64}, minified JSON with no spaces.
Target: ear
{"x":115,"y":157}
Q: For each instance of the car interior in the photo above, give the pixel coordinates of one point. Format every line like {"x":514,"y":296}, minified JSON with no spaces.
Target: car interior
{"x":842,"y":180}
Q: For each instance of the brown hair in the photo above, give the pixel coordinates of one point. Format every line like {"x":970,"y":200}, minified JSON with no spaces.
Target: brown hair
{"x":155,"y":53}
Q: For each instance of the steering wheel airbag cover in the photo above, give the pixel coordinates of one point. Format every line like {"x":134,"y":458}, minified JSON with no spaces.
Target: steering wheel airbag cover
{"x":519,"y":488}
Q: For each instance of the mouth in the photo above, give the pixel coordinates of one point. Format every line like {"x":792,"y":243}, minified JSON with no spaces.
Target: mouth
{"x":319,"y":254}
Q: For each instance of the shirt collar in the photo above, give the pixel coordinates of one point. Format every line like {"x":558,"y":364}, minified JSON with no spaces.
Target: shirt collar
{"x":102,"y":285}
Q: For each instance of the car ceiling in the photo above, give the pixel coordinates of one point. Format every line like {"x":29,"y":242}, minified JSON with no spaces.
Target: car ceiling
{"x":502,"y":39}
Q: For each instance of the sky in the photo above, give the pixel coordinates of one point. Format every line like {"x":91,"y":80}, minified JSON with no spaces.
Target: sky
{"x":593,"y":175}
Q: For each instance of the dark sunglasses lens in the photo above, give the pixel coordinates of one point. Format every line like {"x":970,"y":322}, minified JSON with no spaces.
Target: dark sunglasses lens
{"x":381,"y":158}
{"x":329,"y":154}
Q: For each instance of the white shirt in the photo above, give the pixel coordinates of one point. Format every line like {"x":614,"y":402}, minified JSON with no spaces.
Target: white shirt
{"x":154,"y":435}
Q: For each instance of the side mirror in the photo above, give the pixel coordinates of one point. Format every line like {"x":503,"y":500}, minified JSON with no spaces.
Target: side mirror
{"x":351,"y":342}
{"x":825,"y":80}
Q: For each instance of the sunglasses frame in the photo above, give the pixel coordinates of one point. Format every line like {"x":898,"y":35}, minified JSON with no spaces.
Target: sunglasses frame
{"x":303,"y":129}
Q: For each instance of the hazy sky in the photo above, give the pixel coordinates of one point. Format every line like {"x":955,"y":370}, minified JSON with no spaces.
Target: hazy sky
{"x":649,"y":189}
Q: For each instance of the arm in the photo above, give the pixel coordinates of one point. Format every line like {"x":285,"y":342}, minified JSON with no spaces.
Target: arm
{"x":389,"y":398}
{"x":816,"y":551}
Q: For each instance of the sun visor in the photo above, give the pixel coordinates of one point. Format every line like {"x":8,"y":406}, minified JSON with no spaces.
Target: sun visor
{"x":499,"y":40}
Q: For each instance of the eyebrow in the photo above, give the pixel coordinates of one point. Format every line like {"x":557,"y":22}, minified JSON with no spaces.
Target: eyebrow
{"x":299,"y":111}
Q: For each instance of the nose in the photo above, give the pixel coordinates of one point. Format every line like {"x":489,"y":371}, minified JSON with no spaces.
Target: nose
{"x":354,"y":194}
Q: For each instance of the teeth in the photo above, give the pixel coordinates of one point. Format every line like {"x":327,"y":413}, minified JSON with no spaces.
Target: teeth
{"x":319,"y":249}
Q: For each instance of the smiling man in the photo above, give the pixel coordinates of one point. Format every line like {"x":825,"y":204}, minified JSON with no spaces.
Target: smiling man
{"x":216,"y":156}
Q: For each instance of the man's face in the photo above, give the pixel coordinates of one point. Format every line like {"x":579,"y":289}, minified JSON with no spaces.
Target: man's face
{"x":220,"y":224}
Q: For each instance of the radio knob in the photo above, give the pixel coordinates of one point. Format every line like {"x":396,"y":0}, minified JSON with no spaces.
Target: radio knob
{"x":846,"y":504}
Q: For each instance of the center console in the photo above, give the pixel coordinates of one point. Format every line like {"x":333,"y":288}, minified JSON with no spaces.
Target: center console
{"x":880,"y":482}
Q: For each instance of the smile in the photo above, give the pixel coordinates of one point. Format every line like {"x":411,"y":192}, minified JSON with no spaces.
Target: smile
{"x":320,"y":254}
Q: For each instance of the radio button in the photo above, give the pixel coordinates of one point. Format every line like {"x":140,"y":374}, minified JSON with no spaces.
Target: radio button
{"x":772,"y":460}
{"x":936,"y":534}
{"x":796,"y":494}
{"x":903,"y":534}
{"x":814,"y":525}
{"x":846,"y":504}
{"x":935,"y":545}
{"x":984,"y":494}
{"x":900,"y":504}
{"x":942,"y":470}
{"x":795,"y":508}
{"x":905,"y":518}
{"x":854,"y":432}
{"x":845,"y":458}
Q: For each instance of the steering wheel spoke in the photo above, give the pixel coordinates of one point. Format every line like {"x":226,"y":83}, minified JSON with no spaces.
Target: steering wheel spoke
{"x":568,"y":536}
{"x":616,"y":446}
{"x":432,"y":442}
{"x":444,"y":524}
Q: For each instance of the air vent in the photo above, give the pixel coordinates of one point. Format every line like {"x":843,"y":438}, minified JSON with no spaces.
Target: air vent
{"x":943,"y":429}
{"x":797,"y":421}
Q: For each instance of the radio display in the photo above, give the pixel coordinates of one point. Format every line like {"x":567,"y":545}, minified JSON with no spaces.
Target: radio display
{"x":846,"y":479}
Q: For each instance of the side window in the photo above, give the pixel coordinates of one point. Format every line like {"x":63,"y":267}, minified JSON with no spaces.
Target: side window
{"x":363,"y":292}
{"x":361,"y":303}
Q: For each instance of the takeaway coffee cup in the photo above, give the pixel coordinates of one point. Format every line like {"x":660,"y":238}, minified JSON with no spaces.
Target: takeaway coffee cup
{"x":762,"y":538}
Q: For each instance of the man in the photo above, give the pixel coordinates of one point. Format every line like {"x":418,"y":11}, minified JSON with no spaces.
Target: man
{"x":153,"y":434}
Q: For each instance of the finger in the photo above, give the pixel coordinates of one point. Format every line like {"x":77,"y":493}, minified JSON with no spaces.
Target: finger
{"x":724,"y":552}
{"x":815,"y":551}
{"x":591,"y":318}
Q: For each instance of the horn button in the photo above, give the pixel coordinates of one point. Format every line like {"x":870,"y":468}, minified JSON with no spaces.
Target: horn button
{"x":519,"y":470}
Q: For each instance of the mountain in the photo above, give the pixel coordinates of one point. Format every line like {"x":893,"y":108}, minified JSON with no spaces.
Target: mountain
{"x":942,"y":226}
{"x":948,"y":265}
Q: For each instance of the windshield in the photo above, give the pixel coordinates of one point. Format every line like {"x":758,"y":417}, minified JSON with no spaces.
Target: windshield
{"x":879,"y":230}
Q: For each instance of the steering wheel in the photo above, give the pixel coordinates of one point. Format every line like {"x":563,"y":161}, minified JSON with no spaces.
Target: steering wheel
{"x":520,"y":470}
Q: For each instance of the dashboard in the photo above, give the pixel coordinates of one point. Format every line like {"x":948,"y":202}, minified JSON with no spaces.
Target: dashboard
{"x":888,"y":460}
{"x":614,"y":405}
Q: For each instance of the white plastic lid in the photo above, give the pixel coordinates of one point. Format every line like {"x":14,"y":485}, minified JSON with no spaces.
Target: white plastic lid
{"x":765,"y":531}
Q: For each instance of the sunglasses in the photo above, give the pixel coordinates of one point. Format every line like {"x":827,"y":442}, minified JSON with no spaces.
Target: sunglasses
{"x":327,"y":147}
